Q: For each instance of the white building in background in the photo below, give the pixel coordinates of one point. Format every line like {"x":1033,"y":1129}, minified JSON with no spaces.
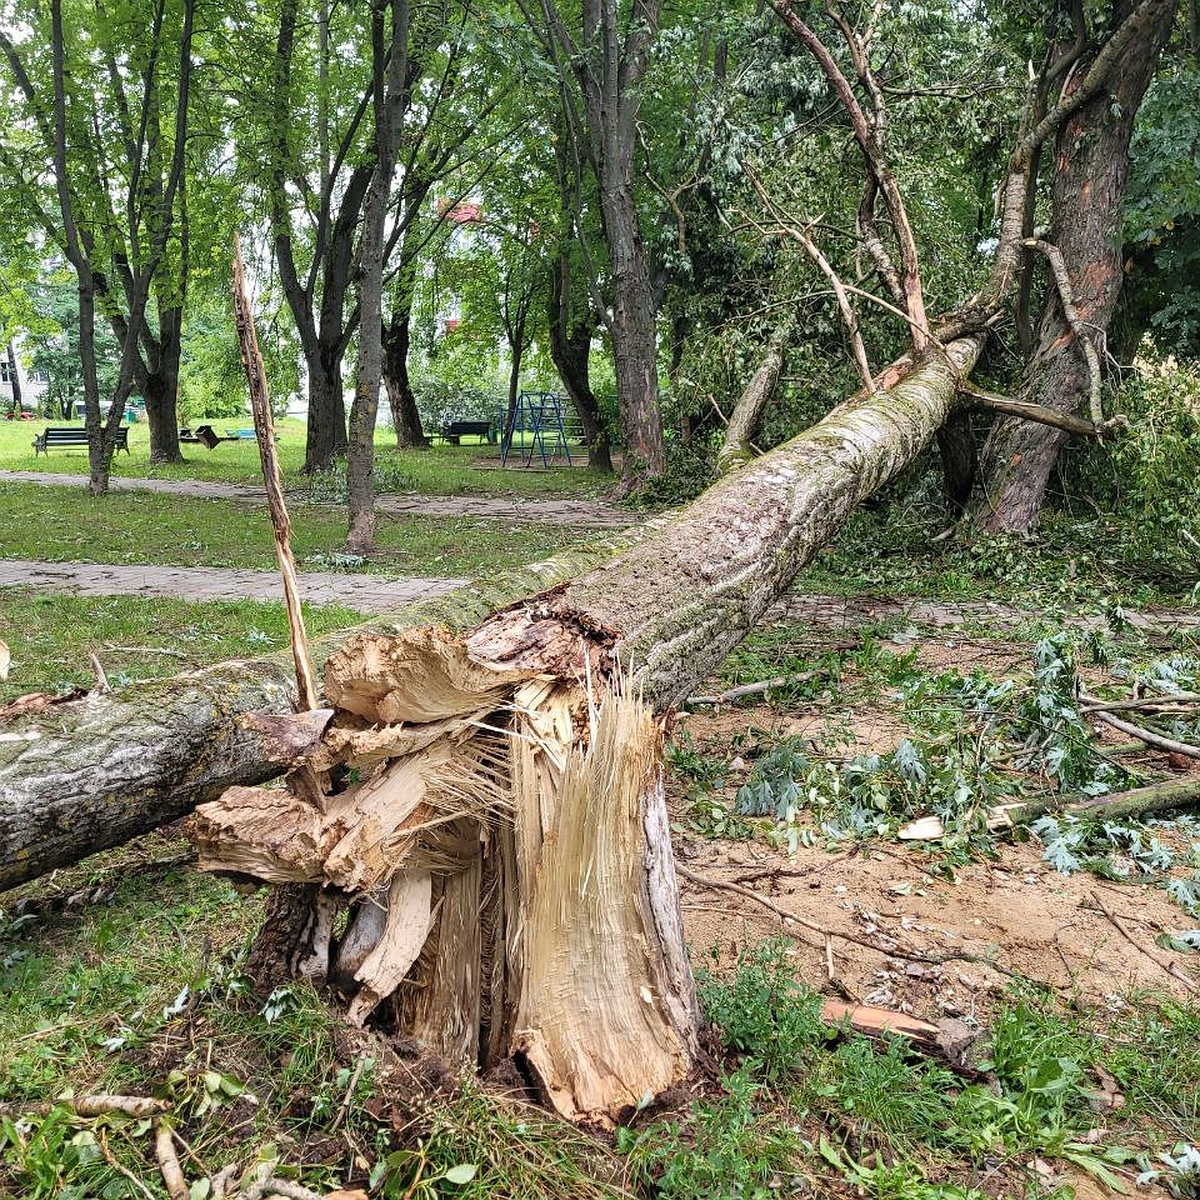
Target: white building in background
{"x":32,"y":383}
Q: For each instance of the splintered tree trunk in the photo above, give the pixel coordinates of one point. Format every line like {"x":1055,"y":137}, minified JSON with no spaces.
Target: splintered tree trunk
{"x":492,"y":813}
{"x":1091,"y":170}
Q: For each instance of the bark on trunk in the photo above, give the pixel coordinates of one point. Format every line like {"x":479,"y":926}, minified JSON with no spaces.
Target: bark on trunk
{"x":325,"y":440}
{"x":570,"y":349}
{"x":90,"y":774}
{"x":14,"y":379}
{"x":634,"y":337}
{"x":1092,"y":166}
{"x":161,"y":390}
{"x":406,"y":417}
{"x":736,"y":448}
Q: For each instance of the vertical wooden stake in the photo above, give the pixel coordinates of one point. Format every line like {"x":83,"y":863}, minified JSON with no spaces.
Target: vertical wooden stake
{"x":264,"y":429}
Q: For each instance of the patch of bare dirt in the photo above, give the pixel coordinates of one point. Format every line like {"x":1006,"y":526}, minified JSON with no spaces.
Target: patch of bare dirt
{"x":949,"y":947}
{"x":904,"y":931}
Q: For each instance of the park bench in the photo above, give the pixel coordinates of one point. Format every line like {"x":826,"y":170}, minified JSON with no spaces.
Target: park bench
{"x":454,"y":431}
{"x":72,"y":435}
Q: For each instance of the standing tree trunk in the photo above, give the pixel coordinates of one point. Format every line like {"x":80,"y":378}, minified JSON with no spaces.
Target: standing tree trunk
{"x":360,"y":456}
{"x":325,"y":434}
{"x":1091,"y":169}
{"x":161,"y":389}
{"x":505,"y":845}
{"x":634,"y":337}
{"x":406,"y":417}
{"x":14,"y":379}
{"x":570,"y":350}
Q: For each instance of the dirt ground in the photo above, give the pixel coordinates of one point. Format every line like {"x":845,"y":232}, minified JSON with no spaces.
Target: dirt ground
{"x":1014,"y":917}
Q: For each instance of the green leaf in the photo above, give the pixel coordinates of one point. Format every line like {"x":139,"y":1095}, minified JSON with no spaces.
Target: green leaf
{"x":461,"y":1174}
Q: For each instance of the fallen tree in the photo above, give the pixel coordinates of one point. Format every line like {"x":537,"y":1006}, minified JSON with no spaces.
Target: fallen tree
{"x":490,"y":795}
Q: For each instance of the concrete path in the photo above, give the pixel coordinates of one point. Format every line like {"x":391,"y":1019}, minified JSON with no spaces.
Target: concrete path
{"x":582,"y":514}
{"x":368,"y":593}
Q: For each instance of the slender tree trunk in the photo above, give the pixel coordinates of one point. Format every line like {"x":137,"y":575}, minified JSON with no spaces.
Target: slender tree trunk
{"x":15,"y":379}
{"x":406,"y":417}
{"x":1092,"y":167}
{"x":360,"y":456}
{"x":749,"y":408}
{"x":388,"y":48}
{"x":516,"y":352}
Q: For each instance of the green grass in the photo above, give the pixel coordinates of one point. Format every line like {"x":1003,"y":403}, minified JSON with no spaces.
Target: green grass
{"x":54,"y":524}
{"x":124,"y":975}
{"x":442,"y":470}
{"x":1066,"y":566}
{"x":136,"y":637}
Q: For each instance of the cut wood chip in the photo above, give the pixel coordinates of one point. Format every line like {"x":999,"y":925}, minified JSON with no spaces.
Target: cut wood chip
{"x":948,"y":1038}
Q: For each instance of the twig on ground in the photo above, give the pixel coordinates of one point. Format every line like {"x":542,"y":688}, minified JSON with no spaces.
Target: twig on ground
{"x":1184,"y":699}
{"x":344,"y":1108}
{"x":754,"y":689}
{"x":1168,"y":967}
{"x":887,"y":951}
{"x":1145,"y":735}
{"x":143,"y":650}
{"x":168,"y":1161}
{"x":119,"y":1167}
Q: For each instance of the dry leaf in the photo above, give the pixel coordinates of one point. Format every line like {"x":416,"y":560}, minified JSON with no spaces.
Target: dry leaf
{"x":356,"y":1194}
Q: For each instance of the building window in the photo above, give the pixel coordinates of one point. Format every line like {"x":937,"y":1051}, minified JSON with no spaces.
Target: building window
{"x":6,"y":371}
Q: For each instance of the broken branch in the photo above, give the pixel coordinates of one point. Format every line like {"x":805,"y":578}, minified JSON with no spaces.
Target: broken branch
{"x":1062,"y":280}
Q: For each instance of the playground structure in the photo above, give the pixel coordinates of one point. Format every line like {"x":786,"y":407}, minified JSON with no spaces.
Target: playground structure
{"x":547,"y":424}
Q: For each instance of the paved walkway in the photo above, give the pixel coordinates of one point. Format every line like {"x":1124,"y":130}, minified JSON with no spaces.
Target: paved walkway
{"x":582,"y":514}
{"x":367,"y":593}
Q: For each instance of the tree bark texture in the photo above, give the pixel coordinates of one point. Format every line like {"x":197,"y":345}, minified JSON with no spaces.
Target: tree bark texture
{"x":406,"y":417}
{"x":160,"y":387}
{"x":736,"y":448}
{"x":667,"y":600}
{"x":570,"y":350}
{"x":634,"y":336}
{"x":1091,"y":170}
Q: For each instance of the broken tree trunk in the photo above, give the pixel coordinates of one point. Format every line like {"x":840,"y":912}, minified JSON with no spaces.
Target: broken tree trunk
{"x":737,"y":447}
{"x":80,"y":777}
{"x":491,"y":809}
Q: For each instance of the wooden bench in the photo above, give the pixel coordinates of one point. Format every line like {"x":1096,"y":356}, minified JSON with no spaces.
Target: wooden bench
{"x":72,"y":435}
{"x":454,"y":431}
